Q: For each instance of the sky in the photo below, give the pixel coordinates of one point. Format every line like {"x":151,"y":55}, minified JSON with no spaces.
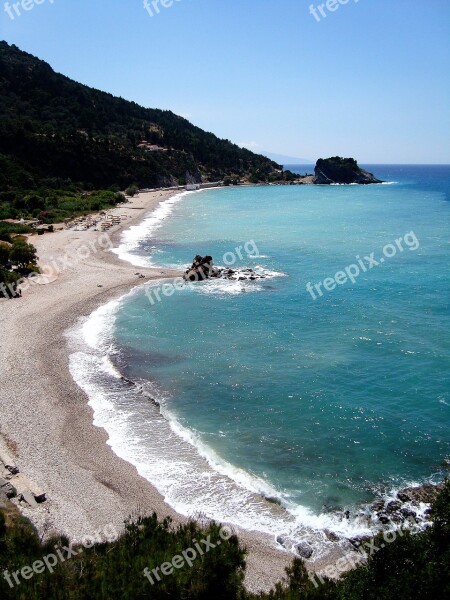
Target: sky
{"x":361,"y":78}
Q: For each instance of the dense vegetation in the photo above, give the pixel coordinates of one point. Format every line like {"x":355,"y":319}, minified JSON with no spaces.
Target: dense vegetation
{"x":59,"y":139}
{"x":17,"y":259}
{"x":51,"y":205}
{"x":412,"y":566}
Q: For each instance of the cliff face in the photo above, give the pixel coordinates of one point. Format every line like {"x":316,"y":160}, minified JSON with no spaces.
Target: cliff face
{"x":341,"y":170}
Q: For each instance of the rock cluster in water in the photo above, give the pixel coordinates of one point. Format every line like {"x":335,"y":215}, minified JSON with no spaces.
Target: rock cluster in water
{"x":406,"y":507}
{"x":202,"y":268}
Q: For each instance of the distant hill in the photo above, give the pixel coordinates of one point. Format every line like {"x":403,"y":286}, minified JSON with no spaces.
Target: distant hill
{"x":54,"y":130}
{"x":281,"y":159}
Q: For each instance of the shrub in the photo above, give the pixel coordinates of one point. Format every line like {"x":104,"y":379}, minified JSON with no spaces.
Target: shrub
{"x":132,"y":190}
{"x":4,"y":253}
{"x":22,"y":253}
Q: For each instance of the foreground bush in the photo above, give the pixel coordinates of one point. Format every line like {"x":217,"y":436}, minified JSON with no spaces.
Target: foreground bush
{"x":115,"y":570}
{"x":413,"y":566}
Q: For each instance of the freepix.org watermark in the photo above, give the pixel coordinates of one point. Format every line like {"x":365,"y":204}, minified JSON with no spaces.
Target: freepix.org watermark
{"x":319,"y":12}
{"x":362,"y":265}
{"x":187,"y":557}
{"x":365,"y":550}
{"x":153,"y":7}
{"x":155,"y":293}
{"x":56,"y":266}
{"x":62,"y":554}
{"x":16,"y":9}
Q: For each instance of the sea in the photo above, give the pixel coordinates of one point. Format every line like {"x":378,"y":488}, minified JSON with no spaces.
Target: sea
{"x":279,"y":403}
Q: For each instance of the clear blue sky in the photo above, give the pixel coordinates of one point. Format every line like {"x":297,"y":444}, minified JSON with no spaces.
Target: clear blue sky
{"x":370,"y":80}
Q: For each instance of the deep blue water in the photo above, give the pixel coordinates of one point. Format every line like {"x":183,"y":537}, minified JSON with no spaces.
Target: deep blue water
{"x":325,"y":401}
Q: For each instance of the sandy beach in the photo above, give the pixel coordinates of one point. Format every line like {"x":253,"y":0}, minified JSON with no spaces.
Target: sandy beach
{"x":46,"y":423}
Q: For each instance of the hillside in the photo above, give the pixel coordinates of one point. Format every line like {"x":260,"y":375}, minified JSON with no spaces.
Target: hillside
{"x":58,"y":134}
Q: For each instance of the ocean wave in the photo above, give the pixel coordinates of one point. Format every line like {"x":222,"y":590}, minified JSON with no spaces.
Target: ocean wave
{"x":268,"y":274}
{"x":237,"y":283}
{"x":226,"y":287}
{"x":252,"y":483}
{"x":164,"y":452}
{"x":132,"y":237}
{"x":97,"y":329}
{"x":189,"y":474}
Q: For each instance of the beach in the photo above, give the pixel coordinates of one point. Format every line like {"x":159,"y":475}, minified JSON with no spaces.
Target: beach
{"x":46,"y":423}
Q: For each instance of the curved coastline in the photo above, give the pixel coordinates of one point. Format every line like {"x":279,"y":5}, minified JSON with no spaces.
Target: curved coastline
{"x":46,"y":417}
{"x":59,"y":443}
{"x":252,"y":512}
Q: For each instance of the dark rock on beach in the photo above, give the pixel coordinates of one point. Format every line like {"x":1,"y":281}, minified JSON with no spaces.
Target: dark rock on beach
{"x":404,"y":497}
{"x":7,"y":489}
{"x":384,"y":518}
{"x":393,"y":506}
{"x":408,"y":513}
{"x":304,"y":550}
{"x":273,"y":500}
{"x":331,"y":536}
{"x":359,"y":541}
{"x":399,"y":510}
{"x":377,"y":506}
{"x":426,"y":493}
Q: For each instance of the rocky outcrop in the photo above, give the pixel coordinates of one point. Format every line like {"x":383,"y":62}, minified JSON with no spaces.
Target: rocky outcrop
{"x":167,"y":181}
{"x":304,"y":550}
{"x":237,"y":275}
{"x":202,"y":268}
{"x":426,"y":493}
{"x":407,"y":504}
{"x":341,"y":170}
{"x":7,"y":489}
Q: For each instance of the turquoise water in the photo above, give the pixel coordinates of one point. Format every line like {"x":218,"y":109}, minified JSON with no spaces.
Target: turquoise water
{"x":326,"y":402}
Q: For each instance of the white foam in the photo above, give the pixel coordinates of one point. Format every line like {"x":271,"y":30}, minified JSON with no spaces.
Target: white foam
{"x":226,"y":287}
{"x":131,"y":238}
{"x":260,"y":270}
{"x":247,"y":481}
{"x":97,"y":329}
{"x":233,"y":286}
{"x":108,"y":367}
{"x":160,"y":452}
{"x":189,"y":474}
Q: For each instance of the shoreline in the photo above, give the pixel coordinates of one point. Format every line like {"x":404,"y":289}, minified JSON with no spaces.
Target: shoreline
{"x":46,"y":418}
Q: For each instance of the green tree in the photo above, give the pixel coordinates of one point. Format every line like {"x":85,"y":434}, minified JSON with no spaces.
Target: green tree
{"x":8,"y":281}
{"x":132,"y":190}
{"x":34,"y":202}
{"x":4,"y":253}
{"x":23,"y":254}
